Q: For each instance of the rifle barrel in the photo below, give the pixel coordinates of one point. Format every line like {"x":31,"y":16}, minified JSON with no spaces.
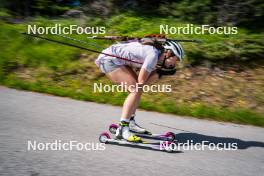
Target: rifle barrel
{"x":123,"y":38}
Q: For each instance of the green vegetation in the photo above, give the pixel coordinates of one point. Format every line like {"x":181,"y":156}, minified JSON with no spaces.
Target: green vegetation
{"x":41,"y":66}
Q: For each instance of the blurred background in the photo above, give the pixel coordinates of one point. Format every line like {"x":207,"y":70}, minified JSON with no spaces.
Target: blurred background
{"x":222,"y":78}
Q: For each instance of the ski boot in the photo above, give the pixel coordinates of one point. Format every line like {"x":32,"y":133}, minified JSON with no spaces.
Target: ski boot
{"x":135,"y":128}
{"x":123,"y":132}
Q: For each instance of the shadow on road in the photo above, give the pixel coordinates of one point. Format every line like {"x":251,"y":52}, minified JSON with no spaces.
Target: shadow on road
{"x":196,"y":138}
{"x":199,"y":138}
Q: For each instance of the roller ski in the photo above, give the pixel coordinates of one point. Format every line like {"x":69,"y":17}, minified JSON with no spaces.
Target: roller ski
{"x":138,"y":131}
{"x":123,"y":136}
{"x":160,"y":146}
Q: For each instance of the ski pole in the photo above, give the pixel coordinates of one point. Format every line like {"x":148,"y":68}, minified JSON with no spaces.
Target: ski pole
{"x":79,"y":41}
{"x":80,"y":47}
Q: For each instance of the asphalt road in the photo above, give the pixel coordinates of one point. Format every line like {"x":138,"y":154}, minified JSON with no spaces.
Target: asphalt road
{"x":27,"y":116}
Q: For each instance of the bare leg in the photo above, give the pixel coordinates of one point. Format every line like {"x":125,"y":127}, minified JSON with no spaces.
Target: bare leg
{"x":126,"y":74}
{"x":153,"y":77}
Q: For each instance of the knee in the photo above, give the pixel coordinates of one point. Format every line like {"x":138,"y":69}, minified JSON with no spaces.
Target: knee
{"x":132,"y":87}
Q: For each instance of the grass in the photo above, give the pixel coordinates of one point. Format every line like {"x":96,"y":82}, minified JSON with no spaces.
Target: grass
{"x":46,"y":67}
{"x":240,"y":116}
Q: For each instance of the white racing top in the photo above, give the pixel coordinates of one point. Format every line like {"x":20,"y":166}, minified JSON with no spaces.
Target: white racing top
{"x":134,"y":51}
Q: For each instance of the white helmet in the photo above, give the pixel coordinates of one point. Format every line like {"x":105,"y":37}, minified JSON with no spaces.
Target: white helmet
{"x":176,"y":49}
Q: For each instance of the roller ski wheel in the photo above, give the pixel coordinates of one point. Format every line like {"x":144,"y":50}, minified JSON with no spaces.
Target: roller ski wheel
{"x":104,"y":137}
{"x":113,"y":128}
{"x":167,"y":148}
{"x":169,"y":136}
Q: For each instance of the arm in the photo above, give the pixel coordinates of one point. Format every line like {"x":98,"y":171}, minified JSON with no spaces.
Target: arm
{"x":146,"y":73}
{"x":143,"y":76}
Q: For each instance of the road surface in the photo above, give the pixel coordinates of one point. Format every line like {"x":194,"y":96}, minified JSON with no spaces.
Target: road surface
{"x":27,"y":117}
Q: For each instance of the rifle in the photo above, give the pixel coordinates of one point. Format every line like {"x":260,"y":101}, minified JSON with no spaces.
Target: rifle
{"x":157,"y":37}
